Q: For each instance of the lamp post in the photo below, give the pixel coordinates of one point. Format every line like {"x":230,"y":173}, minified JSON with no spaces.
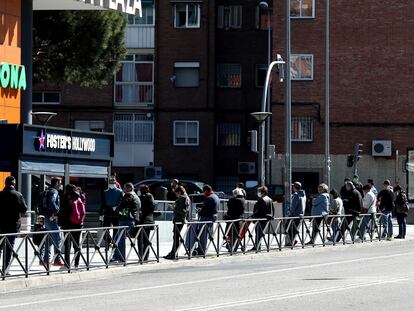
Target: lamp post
{"x":327,"y":125}
{"x":263,"y":5}
{"x":43,"y":117}
{"x":260,"y":117}
{"x":288,"y":110}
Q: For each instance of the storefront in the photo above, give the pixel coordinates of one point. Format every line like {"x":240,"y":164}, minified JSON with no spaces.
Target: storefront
{"x":18,"y":156}
{"x":41,"y":150}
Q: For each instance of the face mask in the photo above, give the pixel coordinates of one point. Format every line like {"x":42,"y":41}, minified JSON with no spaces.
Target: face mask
{"x":259,"y":194}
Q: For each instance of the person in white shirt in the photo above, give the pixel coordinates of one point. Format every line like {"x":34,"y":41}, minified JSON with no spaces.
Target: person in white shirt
{"x":373,"y":189}
{"x":369,"y":206}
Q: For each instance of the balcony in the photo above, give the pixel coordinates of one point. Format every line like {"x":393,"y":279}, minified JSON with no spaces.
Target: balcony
{"x":138,"y":95}
{"x":139,"y":37}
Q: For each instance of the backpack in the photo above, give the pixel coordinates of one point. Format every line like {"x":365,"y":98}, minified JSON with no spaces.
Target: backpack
{"x":77,"y":215}
{"x":43,"y":207}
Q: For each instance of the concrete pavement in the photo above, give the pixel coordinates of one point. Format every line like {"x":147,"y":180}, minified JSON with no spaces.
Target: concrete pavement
{"x":377,"y":276}
{"x":97,"y":273}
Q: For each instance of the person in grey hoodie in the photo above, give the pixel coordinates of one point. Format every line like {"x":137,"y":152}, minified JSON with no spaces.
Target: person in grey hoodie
{"x":297,"y":209}
{"x":320,"y":208}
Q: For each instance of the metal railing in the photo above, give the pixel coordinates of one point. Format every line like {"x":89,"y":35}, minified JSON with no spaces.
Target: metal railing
{"x":93,"y":248}
{"x":202,"y":238}
{"x":97,"y":247}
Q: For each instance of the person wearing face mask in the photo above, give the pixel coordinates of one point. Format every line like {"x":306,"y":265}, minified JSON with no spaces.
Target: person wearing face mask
{"x":207,"y":212}
{"x":401,"y":210}
{"x":262,"y":209}
{"x":320,"y":208}
{"x":171,"y":194}
{"x":110,"y":200}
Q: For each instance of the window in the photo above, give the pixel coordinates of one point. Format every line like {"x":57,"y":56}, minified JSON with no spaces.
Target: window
{"x":229,"y":17}
{"x":134,"y":80}
{"x":301,"y":67}
{"x":46,"y":97}
{"x":261,"y":71}
{"x":187,"y":15}
{"x":186,"y":74}
{"x":302,"y":129}
{"x":133,"y":128}
{"x":302,"y":8}
{"x":229,"y":75}
{"x":262,"y":18}
{"x":186,"y":133}
{"x":147,"y":16}
{"x":93,"y":125}
{"x":228,"y":134}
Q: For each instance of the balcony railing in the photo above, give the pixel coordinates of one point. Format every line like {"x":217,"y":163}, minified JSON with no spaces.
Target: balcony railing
{"x":134,"y":94}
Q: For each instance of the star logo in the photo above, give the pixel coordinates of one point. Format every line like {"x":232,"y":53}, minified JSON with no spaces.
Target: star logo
{"x":42,"y":139}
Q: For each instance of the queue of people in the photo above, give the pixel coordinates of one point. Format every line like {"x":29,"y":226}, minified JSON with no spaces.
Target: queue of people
{"x":124,"y":207}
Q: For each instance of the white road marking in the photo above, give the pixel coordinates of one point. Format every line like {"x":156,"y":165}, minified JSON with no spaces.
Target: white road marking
{"x":216,"y":279}
{"x":311,"y":292}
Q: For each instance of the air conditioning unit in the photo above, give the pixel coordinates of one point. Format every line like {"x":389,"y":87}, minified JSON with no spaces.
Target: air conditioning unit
{"x":381,"y":148}
{"x":153,"y":172}
{"x":247,"y":168}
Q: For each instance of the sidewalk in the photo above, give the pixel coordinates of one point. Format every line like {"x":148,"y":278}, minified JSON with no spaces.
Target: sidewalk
{"x":59,"y":275}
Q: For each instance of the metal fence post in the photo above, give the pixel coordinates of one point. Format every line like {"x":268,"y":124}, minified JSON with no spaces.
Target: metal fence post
{"x":158,"y":244}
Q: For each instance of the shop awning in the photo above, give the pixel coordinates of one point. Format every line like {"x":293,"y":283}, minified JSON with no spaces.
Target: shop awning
{"x":58,"y":169}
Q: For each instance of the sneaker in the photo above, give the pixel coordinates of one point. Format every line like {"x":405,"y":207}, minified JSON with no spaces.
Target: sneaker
{"x":389,"y":238}
{"x":58,"y":263}
{"x":398,"y":237}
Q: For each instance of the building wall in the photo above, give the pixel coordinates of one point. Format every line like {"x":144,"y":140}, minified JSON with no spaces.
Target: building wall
{"x":10,"y":36}
{"x":371,"y":97}
{"x":10,"y":44}
{"x":186,"y":103}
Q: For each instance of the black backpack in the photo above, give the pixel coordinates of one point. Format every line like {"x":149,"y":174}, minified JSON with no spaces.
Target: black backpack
{"x":43,"y":207}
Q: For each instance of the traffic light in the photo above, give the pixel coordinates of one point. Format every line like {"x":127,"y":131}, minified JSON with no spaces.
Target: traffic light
{"x":357,"y":152}
{"x":350,"y":161}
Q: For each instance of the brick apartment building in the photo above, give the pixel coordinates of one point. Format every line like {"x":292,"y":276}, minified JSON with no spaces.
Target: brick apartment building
{"x":371,"y":93}
{"x":180,"y":103}
{"x":194,"y":72}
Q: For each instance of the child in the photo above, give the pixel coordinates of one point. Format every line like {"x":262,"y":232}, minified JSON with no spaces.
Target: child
{"x":37,"y":238}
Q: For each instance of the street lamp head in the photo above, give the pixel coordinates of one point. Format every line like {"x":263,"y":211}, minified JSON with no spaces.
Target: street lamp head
{"x":43,"y":117}
{"x":263,"y":5}
{"x":260,"y":117}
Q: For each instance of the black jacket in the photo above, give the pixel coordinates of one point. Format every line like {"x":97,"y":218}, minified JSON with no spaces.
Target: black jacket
{"x":235,"y":208}
{"x":263,"y":208}
{"x":147,"y":209}
{"x":386,"y":197}
{"x":129,"y":206}
{"x":11,"y":205}
{"x":182,"y":205}
{"x":352,"y":202}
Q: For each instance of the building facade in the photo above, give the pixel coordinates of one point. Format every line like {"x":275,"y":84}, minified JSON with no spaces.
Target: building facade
{"x":370,"y":89}
{"x":180,"y":105}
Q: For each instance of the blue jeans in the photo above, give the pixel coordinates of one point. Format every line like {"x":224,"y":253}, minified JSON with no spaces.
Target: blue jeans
{"x":51,"y":225}
{"x":190,"y":239}
{"x":119,"y":254}
{"x":387,"y":220}
{"x":402,"y":224}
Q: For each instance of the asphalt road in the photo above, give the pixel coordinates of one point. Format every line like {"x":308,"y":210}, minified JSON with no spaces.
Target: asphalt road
{"x":372,"y":276}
